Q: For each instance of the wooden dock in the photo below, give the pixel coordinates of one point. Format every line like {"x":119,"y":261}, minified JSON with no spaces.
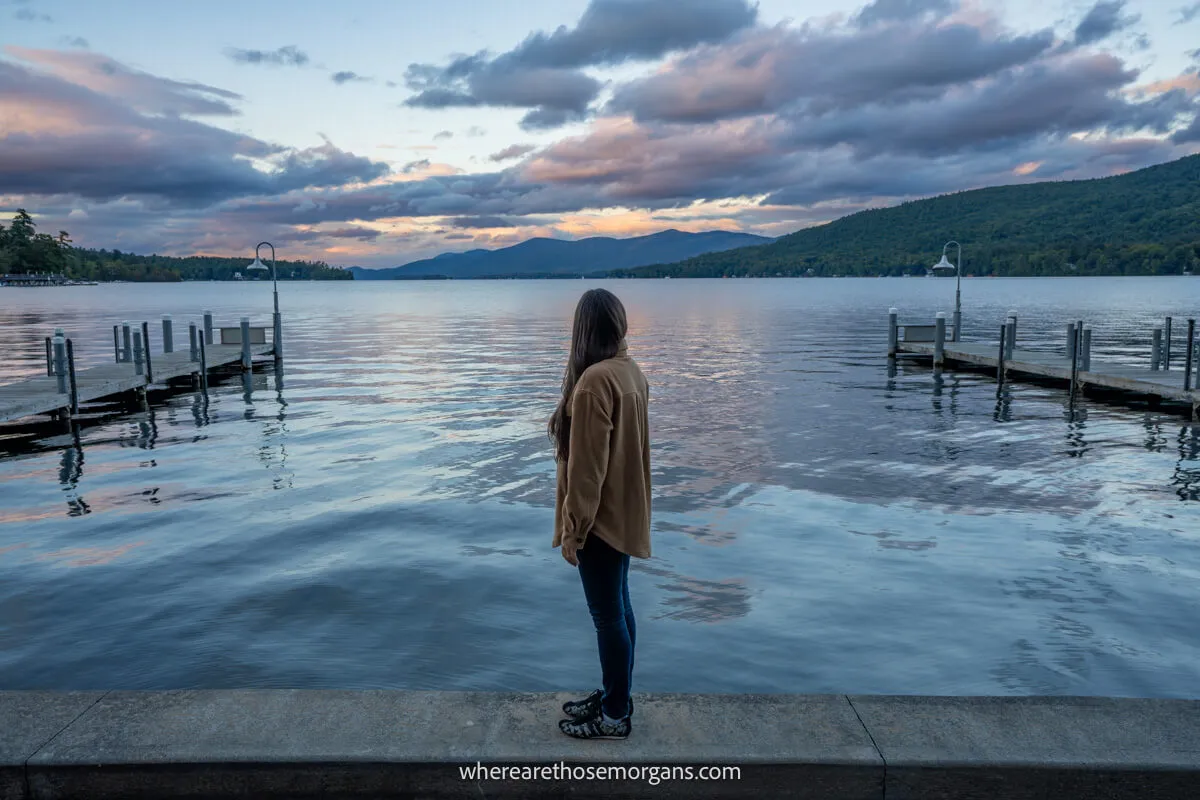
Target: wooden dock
{"x":1164,"y":384}
{"x":130,"y":372}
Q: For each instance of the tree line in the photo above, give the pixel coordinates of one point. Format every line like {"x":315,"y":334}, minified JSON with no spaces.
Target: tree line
{"x":24,"y":250}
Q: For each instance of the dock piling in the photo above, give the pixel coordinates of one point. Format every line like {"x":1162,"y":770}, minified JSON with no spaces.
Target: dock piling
{"x":193,"y":352}
{"x":893,"y":331}
{"x":939,"y":341}
{"x":1156,"y":350}
{"x":208,"y":327}
{"x":1074,"y":367}
{"x":49,"y":358}
{"x":1005,"y":333}
{"x":1072,"y":335}
{"x":74,"y":386}
{"x":246,"y":343}
{"x":203,"y":368}
{"x":1086,"y":357}
{"x":1166,"y":359}
{"x":146,"y":346}
{"x":60,"y":361}
{"x":1187,"y":362}
{"x":137,"y":353}
{"x":168,"y":334}
{"x":1011,"y":344}
{"x":127,"y":338}
{"x":117,"y":343}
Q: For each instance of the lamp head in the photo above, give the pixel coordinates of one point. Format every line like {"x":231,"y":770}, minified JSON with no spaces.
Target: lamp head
{"x":258,"y":265}
{"x":944,"y":264}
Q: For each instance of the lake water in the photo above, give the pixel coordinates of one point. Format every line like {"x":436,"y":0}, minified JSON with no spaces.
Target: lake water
{"x":383,"y":518}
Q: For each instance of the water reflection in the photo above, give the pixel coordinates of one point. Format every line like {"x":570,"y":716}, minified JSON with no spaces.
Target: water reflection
{"x":1186,"y":478}
{"x":792,"y":472}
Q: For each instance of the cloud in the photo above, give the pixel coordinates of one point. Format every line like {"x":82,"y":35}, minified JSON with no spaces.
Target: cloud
{"x":544,"y":73}
{"x":415,"y":166}
{"x":1188,"y":13}
{"x":467,"y":82}
{"x":1103,"y":20}
{"x":345,"y":77}
{"x":28,"y":15}
{"x":768,"y":70}
{"x":458,"y":237}
{"x":75,"y":41}
{"x":512,"y":151}
{"x":110,"y":133}
{"x":289,"y":56}
{"x":886,"y":11}
{"x":616,"y":31}
{"x":443,"y":135}
{"x":142,"y":92}
{"x":476,"y":131}
{"x":482,"y":222}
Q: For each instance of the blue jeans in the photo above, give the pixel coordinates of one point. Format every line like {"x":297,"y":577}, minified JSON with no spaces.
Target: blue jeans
{"x":604,"y":572}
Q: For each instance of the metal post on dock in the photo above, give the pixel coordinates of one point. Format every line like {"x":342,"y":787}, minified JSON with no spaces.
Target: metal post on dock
{"x":208,"y":326}
{"x":193,"y":352}
{"x":1005,"y":332}
{"x":939,"y":340}
{"x":168,"y":334}
{"x":1071,"y":337}
{"x":137,"y":353}
{"x":203,"y":367}
{"x":1086,"y":358}
{"x":1011,"y":347}
{"x":1166,"y":359}
{"x":71,"y":378}
{"x":246,"y":343}
{"x":1187,"y":362}
{"x":1156,"y":351}
{"x":60,"y":361}
{"x":127,"y":339}
{"x":1074,"y":353}
{"x":1196,"y":381}
{"x":146,"y":345}
{"x":49,"y":358}
{"x":893,"y":332}
{"x":117,"y":343}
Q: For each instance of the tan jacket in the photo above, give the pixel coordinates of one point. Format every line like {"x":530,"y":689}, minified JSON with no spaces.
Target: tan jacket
{"x":604,"y":488}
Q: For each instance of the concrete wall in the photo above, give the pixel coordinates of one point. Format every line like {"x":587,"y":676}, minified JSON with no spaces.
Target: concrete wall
{"x":294,"y":744}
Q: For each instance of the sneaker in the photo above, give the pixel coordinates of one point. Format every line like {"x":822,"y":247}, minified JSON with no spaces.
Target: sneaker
{"x":582,"y":709}
{"x":595,"y":727}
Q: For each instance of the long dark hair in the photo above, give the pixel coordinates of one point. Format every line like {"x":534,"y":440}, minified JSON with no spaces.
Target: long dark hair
{"x":599,"y":328}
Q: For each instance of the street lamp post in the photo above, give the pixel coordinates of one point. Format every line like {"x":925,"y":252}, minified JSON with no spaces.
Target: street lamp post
{"x":943,"y":265}
{"x":276,"y":327}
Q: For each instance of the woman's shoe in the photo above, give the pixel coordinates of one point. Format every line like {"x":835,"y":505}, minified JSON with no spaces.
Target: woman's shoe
{"x":595,"y":727}
{"x":582,"y":709}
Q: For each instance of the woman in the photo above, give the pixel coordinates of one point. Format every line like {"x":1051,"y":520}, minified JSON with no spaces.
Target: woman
{"x":602,"y":514}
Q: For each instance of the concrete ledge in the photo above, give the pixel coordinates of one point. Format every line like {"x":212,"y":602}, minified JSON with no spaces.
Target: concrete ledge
{"x":1035,"y":747}
{"x":284,"y":743}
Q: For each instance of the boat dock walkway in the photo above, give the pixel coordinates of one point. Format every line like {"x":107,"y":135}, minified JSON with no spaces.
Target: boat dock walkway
{"x":61,"y":390}
{"x":1075,"y":367}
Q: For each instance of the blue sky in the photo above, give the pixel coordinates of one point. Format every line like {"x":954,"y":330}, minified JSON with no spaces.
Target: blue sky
{"x":186,"y":127}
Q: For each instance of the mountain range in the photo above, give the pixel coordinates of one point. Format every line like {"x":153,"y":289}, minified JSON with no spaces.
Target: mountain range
{"x":557,"y":257}
{"x":1145,"y":222}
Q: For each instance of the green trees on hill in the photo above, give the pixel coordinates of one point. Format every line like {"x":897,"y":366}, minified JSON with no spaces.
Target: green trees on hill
{"x":1142,"y":223}
{"x":23,"y":250}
